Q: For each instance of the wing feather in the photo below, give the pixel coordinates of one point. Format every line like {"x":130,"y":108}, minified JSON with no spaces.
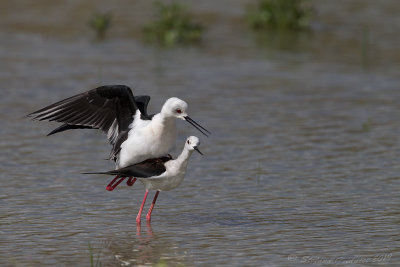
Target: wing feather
{"x":110,"y":108}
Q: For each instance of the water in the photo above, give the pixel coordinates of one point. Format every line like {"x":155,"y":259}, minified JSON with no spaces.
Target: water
{"x":301,"y":167}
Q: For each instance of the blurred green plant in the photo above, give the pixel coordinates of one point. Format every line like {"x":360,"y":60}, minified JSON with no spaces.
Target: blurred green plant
{"x":293,"y":15}
{"x":100,"y":23}
{"x":92,"y":263}
{"x":161,"y":263}
{"x":173,"y":26}
{"x":164,"y":263}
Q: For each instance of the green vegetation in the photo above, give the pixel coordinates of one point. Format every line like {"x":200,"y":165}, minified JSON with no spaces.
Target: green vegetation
{"x":279,"y":15}
{"x":161,"y":263}
{"x":164,"y":263}
{"x":173,"y":26}
{"x":100,"y":23}
{"x":92,"y":263}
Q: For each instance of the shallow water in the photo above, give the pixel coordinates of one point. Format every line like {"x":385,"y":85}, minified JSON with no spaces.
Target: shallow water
{"x":302,"y":166}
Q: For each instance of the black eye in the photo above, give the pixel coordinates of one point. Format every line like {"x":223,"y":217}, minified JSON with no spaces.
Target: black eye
{"x":179,"y":110}
{"x":188,"y":141}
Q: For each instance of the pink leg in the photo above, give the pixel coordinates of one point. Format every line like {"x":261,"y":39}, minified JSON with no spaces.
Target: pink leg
{"x":148,"y":216}
{"x":111,"y":186}
{"x":131,"y":181}
{"x":141,"y":207}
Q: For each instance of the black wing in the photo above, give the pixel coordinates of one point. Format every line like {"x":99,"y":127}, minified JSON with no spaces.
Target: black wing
{"x":110,"y":108}
{"x":144,"y":169}
{"x":141,"y":102}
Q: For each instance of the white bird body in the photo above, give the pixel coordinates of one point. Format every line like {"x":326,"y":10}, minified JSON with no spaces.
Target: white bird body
{"x":161,"y":174}
{"x":147,"y":139}
{"x":174,"y":174}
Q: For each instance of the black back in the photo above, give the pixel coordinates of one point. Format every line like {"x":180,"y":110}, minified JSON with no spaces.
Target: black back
{"x":144,"y":169}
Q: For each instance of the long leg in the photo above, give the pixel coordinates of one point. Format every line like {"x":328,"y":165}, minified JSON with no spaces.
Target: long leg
{"x":148,"y":216}
{"x":141,"y":207}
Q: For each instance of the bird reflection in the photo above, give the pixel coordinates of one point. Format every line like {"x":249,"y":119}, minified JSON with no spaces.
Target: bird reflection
{"x":148,"y":228}
{"x":145,"y":247}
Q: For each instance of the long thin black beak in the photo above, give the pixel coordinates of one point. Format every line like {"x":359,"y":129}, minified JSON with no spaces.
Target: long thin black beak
{"x":198,"y":150}
{"x":197,"y":126}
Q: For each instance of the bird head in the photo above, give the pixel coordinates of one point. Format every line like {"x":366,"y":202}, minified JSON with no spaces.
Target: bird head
{"x":192,"y":143}
{"x":175,"y":107}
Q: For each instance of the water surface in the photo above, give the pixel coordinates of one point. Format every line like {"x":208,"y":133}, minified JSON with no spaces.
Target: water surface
{"x":302,"y":166}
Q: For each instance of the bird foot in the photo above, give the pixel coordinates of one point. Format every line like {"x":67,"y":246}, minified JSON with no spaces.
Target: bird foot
{"x":131,"y":181}
{"x":111,"y":186}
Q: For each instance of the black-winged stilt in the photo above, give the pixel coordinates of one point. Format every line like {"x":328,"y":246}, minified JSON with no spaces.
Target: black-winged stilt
{"x":134,"y":135}
{"x":161,"y":174}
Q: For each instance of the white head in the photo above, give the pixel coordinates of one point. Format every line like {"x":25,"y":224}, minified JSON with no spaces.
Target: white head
{"x":192,"y":143}
{"x":176,"y":108}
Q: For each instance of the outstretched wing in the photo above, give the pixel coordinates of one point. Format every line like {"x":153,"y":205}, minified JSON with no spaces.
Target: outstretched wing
{"x":110,"y":108}
{"x":141,"y":102}
{"x":144,"y":169}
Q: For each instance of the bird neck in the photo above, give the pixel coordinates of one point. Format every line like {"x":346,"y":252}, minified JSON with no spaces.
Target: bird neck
{"x":183,"y":158}
{"x":166,"y":110}
{"x":164,"y":117}
{"x":163,"y":123}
